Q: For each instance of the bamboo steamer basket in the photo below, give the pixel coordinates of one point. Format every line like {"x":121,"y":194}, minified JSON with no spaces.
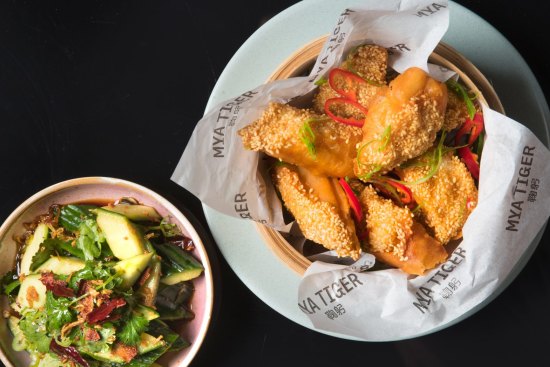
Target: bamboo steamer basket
{"x":303,"y":59}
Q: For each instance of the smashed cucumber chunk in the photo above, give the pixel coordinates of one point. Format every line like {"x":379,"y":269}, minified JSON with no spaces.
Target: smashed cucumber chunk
{"x":122,"y":235}
{"x":32,"y":247}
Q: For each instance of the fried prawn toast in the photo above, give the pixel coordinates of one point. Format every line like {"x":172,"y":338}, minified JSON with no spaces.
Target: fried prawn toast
{"x":304,"y":138}
{"x":402,"y":122}
{"x":320,"y":207}
{"x":447,"y":198}
{"x":395,"y":238}
{"x":369,"y":62}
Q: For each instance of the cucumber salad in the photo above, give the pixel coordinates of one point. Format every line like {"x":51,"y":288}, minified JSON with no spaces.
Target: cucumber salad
{"x":100,"y":285}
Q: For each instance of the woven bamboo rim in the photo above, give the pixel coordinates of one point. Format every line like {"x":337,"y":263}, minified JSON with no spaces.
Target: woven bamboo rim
{"x":299,"y":62}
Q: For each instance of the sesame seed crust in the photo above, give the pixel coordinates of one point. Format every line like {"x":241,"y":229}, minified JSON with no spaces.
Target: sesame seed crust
{"x":401,"y":124}
{"x":278,"y":133}
{"x":320,"y":221}
{"x":447,"y":199}
{"x":389,"y":226}
{"x":368,"y":61}
{"x":456,"y":113}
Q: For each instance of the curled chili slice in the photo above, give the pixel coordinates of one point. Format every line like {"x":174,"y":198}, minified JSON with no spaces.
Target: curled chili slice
{"x":470,"y":161}
{"x":345,"y":83}
{"x":70,"y":353}
{"x":353,"y":200}
{"x":405,"y":194}
{"x":397,"y":191}
{"x":472,"y":127}
{"x":332,"y":102}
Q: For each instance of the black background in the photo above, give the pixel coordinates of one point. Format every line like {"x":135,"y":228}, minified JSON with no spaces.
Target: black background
{"x":115,"y":88}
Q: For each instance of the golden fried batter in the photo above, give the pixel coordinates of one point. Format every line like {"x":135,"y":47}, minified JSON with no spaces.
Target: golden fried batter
{"x":304,"y":138}
{"x":456,"y":113}
{"x":369,"y":62}
{"x":395,"y":238}
{"x":320,"y":208}
{"x":446,"y":199}
{"x":402,"y":123}
{"x":388,"y":226}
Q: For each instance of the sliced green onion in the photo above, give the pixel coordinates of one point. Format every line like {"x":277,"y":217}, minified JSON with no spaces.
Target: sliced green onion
{"x":322,"y":80}
{"x":434,"y":163}
{"x":385,"y":138}
{"x":459,"y":89}
{"x":308,"y":138}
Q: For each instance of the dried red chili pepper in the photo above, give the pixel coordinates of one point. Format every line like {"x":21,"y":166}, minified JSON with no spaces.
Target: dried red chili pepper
{"x":57,"y":287}
{"x":104,"y":311}
{"x":68,"y":353}
{"x":345,"y":120}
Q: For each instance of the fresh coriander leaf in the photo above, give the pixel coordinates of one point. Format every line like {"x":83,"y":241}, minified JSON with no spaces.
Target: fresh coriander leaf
{"x":33,"y":326}
{"x":132,"y":328}
{"x":58,"y":311}
{"x":90,"y":239}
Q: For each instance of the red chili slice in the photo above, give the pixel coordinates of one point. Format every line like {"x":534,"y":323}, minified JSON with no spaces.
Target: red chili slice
{"x":345,"y":120}
{"x":405,"y":194}
{"x":351,"y":82}
{"x":353,"y":200}
{"x":104,"y":311}
{"x":473,"y":127}
{"x":470,"y":161}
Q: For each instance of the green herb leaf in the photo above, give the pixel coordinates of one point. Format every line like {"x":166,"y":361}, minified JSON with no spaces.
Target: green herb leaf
{"x":132,"y":328}
{"x":58,"y":311}
{"x":90,"y":239}
{"x":71,"y":216}
{"x":33,"y":326}
{"x":9,"y":282}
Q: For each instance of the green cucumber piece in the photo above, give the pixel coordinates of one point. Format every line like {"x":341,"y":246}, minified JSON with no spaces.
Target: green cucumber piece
{"x":19,"y":341}
{"x":130,"y":269}
{"x":104,"y":356}
{"x":62,"y":265}
{"x":179,"y":265}
{"x":180,"y":313}
{"x":122,"y":235}
{"x":147,"y":293}
{"x":32,"y":293}
{"x":149,"y":343}
{"x":137,"y":213}
{"x":32,"y":247}
{"x":147,"y":312}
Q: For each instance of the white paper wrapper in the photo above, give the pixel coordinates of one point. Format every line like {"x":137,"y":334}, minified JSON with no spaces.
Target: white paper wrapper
{"x":513,"y":202}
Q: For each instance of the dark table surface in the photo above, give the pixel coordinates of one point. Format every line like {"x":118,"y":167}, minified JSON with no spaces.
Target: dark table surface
{"x":115,"y":88}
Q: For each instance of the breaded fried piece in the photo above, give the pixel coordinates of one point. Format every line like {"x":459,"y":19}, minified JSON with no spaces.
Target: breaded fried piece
{"x":304,"y":138}
{"x":320,"y":208}
{"x":395,"y":238}
{"x":389,"y":226}
{"x":402,"y":123}
{"x":456,"y":113}
{"x":446,"y":199}
{"x":369,"y":62}
{"x":423,"y":253}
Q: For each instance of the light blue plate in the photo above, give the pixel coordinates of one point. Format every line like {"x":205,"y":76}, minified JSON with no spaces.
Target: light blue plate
{"x":240,"y":243}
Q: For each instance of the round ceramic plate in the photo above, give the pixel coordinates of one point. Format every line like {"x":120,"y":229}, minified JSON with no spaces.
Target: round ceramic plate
{"x":239,"y":241}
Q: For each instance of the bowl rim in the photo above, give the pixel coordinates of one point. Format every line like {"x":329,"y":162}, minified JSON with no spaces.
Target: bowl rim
{"x":171,"y":208}
{"x":444,"y":55}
